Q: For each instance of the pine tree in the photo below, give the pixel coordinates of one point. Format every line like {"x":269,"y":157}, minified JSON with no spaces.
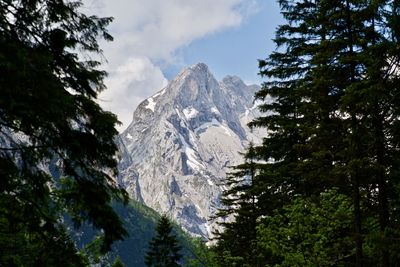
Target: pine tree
{"x":201,"y":254}
{"x":49,"y":118}
{"x":239,"y":212}
{"x":373,"y":90}
{"x":118,"y":262}
{"x":314,"y":235}
{"x":330,"y":112}
{"x":164,"y":250}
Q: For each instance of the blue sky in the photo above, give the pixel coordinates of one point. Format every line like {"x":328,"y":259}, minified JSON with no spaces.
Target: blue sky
{"x":155,"y":39}
{"x":235,"y":51}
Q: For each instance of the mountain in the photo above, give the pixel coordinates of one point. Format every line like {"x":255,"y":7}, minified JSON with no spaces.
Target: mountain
{"x":181,"y":141}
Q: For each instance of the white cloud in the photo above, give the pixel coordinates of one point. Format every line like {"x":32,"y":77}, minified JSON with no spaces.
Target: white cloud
{"x":152,"y":31}
{"x":130,"y":84}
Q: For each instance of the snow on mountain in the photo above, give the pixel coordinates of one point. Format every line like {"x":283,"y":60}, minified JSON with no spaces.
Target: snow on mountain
{"x":181,"y":142}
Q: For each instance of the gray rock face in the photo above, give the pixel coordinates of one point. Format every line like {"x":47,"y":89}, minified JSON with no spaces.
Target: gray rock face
{"x":181,"y":142}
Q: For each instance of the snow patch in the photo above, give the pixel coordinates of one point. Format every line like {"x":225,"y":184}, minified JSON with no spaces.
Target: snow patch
{"x":215,"y":111}
{"x":227,"y":130}
{"x":193,"y":140}
{"x":192,"y":161}
{"x":190,"y":112}
{"x":151,"y":105}
{"x":198,"y":208}
{"x":179,"y":113}
{"x":159,"y":93}
{"x":246,"y":114}
{"x":129,"y":136}
{"x":182,"y":118}
{"x":208,"y":228}
{"x":204,"y":228}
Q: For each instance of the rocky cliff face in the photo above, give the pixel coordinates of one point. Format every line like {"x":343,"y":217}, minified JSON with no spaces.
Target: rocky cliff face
{"x":181,"y":142}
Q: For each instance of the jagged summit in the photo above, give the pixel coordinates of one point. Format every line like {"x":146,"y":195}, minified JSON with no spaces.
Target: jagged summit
{"x":198,"y":71}
{"x":180,"y":142}
{"x":233,"y":79}
{"x":192,"y":83}
{"x":199,"y":68}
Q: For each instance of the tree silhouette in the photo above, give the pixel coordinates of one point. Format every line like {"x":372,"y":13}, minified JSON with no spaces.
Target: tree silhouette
{"x":163,"y":248}
{"x":118,"y":262}
{"x":330,"y":105}
{"x":57,"y":150}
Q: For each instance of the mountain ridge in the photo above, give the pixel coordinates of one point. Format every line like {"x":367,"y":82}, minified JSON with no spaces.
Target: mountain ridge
{"x":176,"y":151}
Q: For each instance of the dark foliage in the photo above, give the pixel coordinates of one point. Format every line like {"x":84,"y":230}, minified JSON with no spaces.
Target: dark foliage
{"x":48,"y":114}
{"x":331,"y":110}
{"x":164,"y":250}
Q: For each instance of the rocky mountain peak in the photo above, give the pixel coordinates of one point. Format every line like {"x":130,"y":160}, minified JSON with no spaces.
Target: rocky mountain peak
{"x":181,"y":141}
{"x":200,"y":68}
{"x":233,"y":80}
{"x":193,"y":83}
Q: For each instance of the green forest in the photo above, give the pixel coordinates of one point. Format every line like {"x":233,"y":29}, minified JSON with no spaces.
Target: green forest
{"x":323,"y":188}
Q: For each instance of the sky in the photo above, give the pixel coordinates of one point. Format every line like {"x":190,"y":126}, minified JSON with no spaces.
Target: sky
{"x":155,"y":39}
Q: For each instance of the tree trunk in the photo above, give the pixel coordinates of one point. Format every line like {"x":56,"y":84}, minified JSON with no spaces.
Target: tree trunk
{"x":382,"y":191}
{"x":355,"y":172}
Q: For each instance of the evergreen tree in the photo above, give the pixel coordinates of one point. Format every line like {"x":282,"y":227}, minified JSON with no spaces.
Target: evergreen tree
{"x":309,"y":233}
{"x":49,"y":117}
{"x":164,"y":250}
{"x":201,"y":254}
{"x":330,"y":112}
{"x":118,"y":262}
{"x":239,"y":213}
